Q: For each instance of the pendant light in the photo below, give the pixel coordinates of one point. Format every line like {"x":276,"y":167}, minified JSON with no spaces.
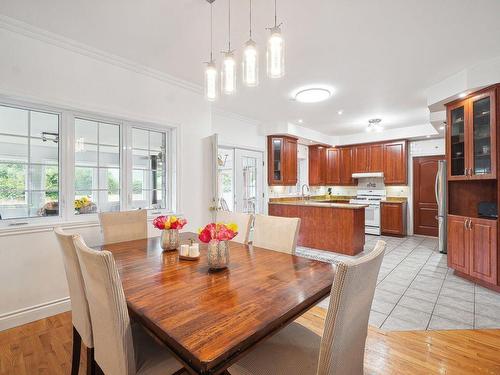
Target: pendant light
{"x":210,"y":69}
{"x":250,"y":62}
{"x":229,"y":64}
{"x":275,"y":50}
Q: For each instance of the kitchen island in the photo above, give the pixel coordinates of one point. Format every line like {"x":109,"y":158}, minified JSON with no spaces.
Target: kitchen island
{"x":336,"y":227}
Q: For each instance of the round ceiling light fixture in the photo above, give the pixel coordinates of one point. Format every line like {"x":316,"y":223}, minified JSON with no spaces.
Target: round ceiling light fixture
{"x":313,"y":95}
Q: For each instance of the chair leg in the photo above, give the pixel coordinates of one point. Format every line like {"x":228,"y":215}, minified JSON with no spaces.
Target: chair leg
{"x":75,"y":356}
{"x":91,"y":365}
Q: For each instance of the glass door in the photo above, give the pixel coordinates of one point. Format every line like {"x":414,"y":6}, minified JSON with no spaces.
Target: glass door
{"x":248,"y":181}
{"x":483,"y":133}
{"x":457,"y":141}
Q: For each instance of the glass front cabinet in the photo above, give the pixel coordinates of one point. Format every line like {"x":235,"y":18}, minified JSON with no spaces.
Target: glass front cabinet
{"x":471,"y":137}
{"x":282,"y":160}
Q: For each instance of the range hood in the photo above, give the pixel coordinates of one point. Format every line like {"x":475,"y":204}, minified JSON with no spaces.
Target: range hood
{"x":368,"y":175}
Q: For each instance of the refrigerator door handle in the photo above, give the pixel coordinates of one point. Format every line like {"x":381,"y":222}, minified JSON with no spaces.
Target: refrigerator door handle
{"x":436,"y":186}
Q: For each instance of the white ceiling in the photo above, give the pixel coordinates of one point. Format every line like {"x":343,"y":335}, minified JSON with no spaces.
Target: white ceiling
{"x":378,"y":55}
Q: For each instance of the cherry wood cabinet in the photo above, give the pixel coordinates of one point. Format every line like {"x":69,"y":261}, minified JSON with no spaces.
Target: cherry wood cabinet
{"x":361,"y":159}
{"x":282,"y":160}
{"x":471,"y":136}
{"x":367,"y":158}
{"x":393,"y":218}
{"x":472,"y":247}
{"x":346,"y":166}
{"x":317,"y":165}
{"x":332,"y":166}
{"x":395,"y":162}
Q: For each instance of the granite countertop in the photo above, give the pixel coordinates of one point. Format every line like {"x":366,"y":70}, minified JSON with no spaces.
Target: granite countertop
{"x":326,"y":197}
{"x":321,"y":204}
{"x":395,"y":200}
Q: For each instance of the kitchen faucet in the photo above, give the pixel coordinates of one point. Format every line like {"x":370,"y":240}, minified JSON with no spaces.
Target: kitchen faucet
{"x":308,"y":192}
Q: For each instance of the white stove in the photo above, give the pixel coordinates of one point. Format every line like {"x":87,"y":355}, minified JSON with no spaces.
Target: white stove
{"x":372,"y":198}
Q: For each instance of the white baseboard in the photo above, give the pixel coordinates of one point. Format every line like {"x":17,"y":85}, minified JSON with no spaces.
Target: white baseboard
{"x":37,"y":312}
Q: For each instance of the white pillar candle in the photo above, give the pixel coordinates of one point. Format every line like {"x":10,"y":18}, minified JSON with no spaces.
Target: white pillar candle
{"x":184,"y":250}
{"x":194,"y":250}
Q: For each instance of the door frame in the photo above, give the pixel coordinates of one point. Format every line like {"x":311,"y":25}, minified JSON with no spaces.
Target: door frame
{"x":414,"y":206}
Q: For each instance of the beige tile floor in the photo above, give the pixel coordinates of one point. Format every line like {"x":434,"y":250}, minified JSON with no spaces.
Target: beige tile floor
{"x":417,"y":291}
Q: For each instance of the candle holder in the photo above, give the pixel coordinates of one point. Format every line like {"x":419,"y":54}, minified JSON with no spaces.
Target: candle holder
{"x":218,"y":254}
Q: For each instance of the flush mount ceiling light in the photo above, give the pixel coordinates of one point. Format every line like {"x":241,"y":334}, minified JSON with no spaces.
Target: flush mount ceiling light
{"x":374,"y":125}
{"x":312,"y":95}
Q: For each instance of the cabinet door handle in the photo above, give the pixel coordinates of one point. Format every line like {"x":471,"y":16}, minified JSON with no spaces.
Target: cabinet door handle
{"x":470,"y":224}
{"x":465,"y":223}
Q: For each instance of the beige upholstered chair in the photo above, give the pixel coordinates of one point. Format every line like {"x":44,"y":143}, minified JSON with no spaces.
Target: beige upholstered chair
{"x":276,"y":233}
{"x":80,"y":316}
{"x":120,"y":348}
{"x":297,"y":350}
{"x":124,"y":226}
{"x":244,"y":221}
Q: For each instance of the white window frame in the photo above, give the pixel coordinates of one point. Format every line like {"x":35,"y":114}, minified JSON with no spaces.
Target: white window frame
{"x":67,"y":165}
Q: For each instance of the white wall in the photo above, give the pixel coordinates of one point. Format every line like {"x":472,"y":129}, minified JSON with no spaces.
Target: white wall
{"x":43,"y":68}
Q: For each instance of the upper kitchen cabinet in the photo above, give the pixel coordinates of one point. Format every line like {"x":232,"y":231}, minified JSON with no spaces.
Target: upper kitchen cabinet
{"x":317,"y":165}
{"x":282,"y":160}
{"x":332,"y":166}
{"x":471,"y":137}
{"x":346,"y":166}
{"x":367,"y":158}
{"x":395,"y":163}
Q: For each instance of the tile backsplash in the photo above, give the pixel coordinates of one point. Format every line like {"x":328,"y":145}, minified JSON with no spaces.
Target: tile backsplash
{"x":287,"y":191}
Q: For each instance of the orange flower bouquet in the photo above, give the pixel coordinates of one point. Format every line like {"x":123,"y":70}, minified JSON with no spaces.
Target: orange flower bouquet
{"x":169,"y":225}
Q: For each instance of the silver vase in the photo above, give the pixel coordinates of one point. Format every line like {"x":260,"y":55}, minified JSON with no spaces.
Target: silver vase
{"x":170,"y":239}
{"x":218,"y":254}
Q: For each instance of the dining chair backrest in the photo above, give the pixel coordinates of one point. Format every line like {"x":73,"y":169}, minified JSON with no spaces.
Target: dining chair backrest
{"x":124,"y":226}
{"x":80,"y":314}
{"x":243,"y":221}
{"x":276,"y":233}
{"x":113,"y":345}
{"x":343,"y":344}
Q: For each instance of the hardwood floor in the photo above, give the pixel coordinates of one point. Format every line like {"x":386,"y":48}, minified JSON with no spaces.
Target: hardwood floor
{"x":44,"y":347}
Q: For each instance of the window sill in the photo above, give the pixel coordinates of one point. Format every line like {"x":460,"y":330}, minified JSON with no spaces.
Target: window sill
{"x":49,"y":224}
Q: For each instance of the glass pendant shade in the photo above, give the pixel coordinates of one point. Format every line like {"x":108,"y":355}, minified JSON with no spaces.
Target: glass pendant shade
{"x":211,"y":81}
{"x":228,"y":75}
{"x":276,"y":54}
{"x":250,"y":64}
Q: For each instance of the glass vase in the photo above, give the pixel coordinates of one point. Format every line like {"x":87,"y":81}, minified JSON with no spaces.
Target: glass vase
{"x":170,"y":239}
{"x":218,"y":254}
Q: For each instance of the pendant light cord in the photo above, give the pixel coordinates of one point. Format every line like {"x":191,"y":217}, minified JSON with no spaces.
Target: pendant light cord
{"x":250,"y":19}
{"x":229,"y":25}
{"x":211,"y":32}
{"x":275,"y":17}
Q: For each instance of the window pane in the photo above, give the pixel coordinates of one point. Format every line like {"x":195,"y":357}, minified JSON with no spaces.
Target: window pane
{"x":140,"y":159}
{"x":109,"y":201}
{"x":86,"y":155}
{"x":13,"y":121}
{"x":44,"y":203}
{"x":109,"y":134}
{"x":109,"y":156}
{"x":13,"y":149}
{"x":44,"y":122}
{"x":140,"y":138}
{"x":13,"y":204}
{"x":13,"y":179}
{"x":85,"y":178}
{"x":85,"y":131}
{"x":44,"y":152}
{"x":156,"y":141}
{"x":109,"y":179}
{"x":44,"y":177}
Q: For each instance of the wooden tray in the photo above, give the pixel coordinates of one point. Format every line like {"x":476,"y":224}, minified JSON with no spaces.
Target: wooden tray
{"x":183,"y":257}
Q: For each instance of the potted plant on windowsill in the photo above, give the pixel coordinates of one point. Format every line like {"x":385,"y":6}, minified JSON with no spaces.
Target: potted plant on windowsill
{"x":170,"y":226}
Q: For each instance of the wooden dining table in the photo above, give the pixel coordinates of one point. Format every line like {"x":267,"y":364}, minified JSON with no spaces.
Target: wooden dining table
{"x":210,"y":319}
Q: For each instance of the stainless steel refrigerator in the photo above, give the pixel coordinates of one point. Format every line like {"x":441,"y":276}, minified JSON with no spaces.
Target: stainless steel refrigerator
{"x":440,"y":188}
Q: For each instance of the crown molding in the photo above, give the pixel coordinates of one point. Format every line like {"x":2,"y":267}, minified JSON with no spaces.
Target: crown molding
{"x":42,"y":35}
{"x":235,"y":116}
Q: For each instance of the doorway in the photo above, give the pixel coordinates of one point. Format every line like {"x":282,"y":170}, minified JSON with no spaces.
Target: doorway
{"x":425,"y":208}
{"x":239,"y":179}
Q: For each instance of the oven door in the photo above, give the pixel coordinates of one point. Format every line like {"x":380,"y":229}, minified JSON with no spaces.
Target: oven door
{"x":372,"y":217}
